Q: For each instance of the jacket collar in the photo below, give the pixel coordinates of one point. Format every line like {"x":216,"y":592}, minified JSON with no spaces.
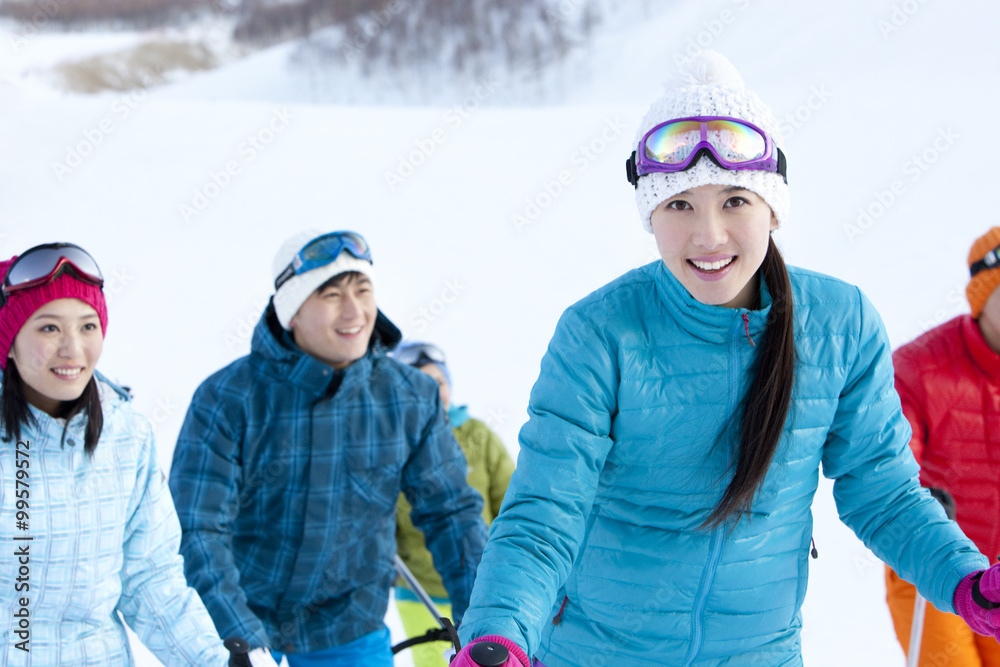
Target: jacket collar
{"x":275,"y":346}
{"x":710,"y":323}
{"x":980,"y":351}
{"x":52,"y":429}
{"x":458,"y":415}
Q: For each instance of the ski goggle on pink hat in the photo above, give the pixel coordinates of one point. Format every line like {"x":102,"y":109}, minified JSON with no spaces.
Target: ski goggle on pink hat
{"x":676,"y":145}
{"x":44,"y":263}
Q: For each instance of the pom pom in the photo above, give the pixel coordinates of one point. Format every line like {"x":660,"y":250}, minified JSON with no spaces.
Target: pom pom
{"x":706,"y":68}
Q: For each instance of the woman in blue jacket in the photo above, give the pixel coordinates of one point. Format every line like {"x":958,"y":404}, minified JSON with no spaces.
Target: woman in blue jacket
{"x":660,"y":510}
{"x":87,"y":523}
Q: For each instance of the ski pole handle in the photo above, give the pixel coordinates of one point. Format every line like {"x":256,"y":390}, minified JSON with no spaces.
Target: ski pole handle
{"x":978,"y":596}
{"x":240,"y":654}
{"x":491,"y":651}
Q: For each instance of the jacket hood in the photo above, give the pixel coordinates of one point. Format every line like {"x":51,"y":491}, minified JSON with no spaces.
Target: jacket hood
{"x":275,"y":344}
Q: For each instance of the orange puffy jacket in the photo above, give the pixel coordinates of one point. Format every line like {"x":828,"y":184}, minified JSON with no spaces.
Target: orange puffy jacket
{"x":949,"y":382}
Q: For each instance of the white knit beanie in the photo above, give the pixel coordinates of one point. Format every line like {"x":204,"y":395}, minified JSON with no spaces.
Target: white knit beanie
{"x":294,"y":292}
{"x":707,"y":84}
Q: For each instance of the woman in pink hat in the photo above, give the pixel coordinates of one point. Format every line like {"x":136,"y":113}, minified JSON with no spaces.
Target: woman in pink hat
{"x":84,"y":507}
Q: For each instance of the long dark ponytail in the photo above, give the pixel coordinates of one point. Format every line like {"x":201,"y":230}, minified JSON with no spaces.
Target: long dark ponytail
{"x":16,"y":412}
{"x":766,"y":405}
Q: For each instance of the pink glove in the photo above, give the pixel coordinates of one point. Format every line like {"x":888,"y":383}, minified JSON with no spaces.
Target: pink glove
{"x":977,"y":601}
{"x":491,"y":651}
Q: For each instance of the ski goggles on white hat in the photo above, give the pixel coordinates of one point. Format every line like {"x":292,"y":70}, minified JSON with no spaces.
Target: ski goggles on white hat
{"x":324,"y":250}
{"x":676,"y":145}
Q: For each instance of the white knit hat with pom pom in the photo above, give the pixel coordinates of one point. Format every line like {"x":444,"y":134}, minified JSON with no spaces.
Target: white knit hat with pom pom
{"x":707,"y":84}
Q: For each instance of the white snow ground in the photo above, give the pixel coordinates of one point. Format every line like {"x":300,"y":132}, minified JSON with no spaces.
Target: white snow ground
{"x":500,"y":216}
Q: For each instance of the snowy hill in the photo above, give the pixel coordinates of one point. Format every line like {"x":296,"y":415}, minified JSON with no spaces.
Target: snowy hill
{"x":487,"y":220}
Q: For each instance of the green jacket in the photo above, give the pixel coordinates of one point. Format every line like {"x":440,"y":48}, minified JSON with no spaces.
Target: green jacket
{"x":490,"y":468}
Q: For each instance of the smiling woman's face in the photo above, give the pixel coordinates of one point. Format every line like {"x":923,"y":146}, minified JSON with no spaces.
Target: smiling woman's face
{"x":56,"y":352}
{"x":713,"y":239}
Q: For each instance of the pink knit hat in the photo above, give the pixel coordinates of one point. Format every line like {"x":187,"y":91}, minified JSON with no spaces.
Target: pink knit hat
{"x":22,"y":304}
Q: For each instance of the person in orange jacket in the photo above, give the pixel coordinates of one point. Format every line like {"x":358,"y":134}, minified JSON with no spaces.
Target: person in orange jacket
{"x":948,"y":380}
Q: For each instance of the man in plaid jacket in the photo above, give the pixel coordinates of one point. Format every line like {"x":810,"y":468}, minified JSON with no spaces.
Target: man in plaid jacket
{"x":290,"y":460}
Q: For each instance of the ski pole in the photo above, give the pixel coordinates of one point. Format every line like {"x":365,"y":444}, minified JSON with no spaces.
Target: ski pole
{"x":919,"y":602}
{"x":916,"y":630}
{"x":415,"y":586}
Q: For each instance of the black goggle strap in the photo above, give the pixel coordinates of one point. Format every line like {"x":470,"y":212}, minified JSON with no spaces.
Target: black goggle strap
{"x":990,"y":261}
{"x":782,"y":165}
{"x":632,"y":175}
{"x":284,"y":276}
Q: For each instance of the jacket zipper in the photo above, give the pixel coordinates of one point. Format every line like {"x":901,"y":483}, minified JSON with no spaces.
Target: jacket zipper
{"x":557,"y":619}
{"x":714,"y":554}
{"x":715,"y":550}
{"x":746,"y":326}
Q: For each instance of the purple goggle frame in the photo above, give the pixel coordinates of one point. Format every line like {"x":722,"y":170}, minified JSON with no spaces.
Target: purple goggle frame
{"x":641,"y":161}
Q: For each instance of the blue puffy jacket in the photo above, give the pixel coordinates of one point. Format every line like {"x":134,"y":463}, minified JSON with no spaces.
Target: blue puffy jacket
{"x":286,"y":476}
{"x":597,"y":557}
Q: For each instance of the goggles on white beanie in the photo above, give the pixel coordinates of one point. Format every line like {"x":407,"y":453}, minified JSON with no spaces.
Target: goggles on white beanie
{"x":709,"y":85}
{"x":294,"y":292}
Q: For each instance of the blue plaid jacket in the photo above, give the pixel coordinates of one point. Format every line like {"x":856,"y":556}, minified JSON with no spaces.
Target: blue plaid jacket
{"x":102,"y":538}
{"x":285,"y":477}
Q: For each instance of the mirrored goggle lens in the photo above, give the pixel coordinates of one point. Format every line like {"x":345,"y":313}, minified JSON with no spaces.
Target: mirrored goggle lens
{"x":732,"y":142}
{"x":673,"y":143}
{"x":38,"y":264}
{"x":326,"y":248}
{"x":411,"y":355}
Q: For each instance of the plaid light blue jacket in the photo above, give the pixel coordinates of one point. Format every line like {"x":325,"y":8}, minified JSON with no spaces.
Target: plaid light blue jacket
{"x":286,"y":475}
{"x":97,"y":536}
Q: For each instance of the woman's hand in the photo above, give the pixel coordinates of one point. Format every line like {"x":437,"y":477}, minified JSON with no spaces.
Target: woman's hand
{"x":977,"y":601}
{"x":491,"y":651}
{"x":240,"y":655}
